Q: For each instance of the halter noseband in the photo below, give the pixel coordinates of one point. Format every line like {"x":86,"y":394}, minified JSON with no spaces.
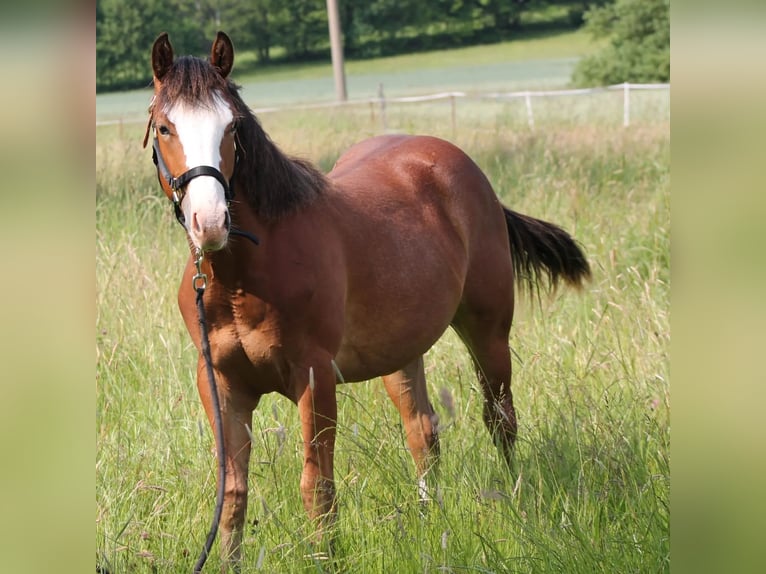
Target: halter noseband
{"x":178,"y":184}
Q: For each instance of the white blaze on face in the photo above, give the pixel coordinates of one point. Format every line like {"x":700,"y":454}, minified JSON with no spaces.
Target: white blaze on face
{"x":200,"y":131}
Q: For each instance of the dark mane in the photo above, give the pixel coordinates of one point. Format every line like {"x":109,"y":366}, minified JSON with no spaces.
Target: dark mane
{"x":273,"y":183}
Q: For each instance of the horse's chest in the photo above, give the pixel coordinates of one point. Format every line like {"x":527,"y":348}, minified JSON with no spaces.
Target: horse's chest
{"x":246,"y":342}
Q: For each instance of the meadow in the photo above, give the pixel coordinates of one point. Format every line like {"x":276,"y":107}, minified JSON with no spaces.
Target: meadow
{"x":534,"y":61}
{"x":590,"y":485}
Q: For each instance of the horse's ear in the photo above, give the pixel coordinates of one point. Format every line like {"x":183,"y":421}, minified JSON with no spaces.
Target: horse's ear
{"x":222,"y":54}
{"x":162,"y":56}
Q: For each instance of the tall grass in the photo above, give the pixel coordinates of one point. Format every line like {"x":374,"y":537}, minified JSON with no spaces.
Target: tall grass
{"x":589,"y":488}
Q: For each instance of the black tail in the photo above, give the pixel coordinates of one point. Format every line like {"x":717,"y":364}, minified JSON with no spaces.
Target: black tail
{"x":539,"y":247}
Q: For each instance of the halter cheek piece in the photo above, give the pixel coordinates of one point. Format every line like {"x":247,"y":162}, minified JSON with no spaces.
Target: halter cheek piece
{"x":178,"y":184}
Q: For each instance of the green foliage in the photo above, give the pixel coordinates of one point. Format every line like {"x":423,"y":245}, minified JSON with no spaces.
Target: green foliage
{"x":125,"y":29}
{"x":639,"y":43}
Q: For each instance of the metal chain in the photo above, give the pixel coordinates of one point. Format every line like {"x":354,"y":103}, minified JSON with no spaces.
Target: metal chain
{"x":199,"y":281}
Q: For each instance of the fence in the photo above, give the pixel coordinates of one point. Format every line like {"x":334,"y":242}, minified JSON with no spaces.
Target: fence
{"x":381,"y":102}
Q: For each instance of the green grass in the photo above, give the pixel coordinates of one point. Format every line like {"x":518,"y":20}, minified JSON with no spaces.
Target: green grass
{"x":591,"y":373}
{"x":529,"y":46}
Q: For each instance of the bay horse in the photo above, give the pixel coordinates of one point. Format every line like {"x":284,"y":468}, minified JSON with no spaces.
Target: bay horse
{"x":357,"y":274}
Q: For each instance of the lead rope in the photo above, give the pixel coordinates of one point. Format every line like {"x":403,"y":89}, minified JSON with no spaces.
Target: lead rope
{"x":199,"y":283}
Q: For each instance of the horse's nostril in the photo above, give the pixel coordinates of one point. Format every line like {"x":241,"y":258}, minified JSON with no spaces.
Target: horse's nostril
{"x":195,"y":224}
{"x":227,"y":222}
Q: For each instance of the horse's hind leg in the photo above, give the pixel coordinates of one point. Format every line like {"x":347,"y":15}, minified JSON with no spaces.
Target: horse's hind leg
{"x":486,"y":336}
{"x":407,"y":389}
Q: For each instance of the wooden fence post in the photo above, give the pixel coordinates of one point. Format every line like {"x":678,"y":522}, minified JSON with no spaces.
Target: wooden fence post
{"x":530,"y":117}
{"x":626,"y":105}
{"x":453,"y":115}
{"x":382,"y":100}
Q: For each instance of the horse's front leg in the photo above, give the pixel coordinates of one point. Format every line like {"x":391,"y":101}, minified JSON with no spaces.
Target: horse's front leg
{"x":237,"y":413}
{"x":315,"y":396}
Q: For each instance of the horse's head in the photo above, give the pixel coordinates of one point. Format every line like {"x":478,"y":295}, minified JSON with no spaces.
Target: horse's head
{"x":194,"y":129}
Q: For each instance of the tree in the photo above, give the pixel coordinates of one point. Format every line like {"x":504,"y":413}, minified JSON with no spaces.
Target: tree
{"x":305,"y":27}
{"x":126,"y":29}
{"x":505,"y":14}
{"x":252,"y":25}
{"x":639,"y":43}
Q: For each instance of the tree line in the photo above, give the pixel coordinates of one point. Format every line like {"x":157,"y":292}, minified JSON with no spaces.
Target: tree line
{"x":296,"y":30}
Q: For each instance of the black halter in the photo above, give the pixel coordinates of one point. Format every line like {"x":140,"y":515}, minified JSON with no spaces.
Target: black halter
{"x":178,"y":184}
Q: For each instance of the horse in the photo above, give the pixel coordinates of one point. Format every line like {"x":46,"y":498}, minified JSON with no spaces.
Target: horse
{"x":355,"y":275}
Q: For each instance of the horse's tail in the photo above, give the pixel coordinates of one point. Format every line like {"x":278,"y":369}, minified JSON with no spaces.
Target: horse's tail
{"x":539,"y":247}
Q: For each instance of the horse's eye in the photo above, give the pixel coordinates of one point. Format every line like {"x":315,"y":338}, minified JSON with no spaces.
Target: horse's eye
{"x":164,"y":130}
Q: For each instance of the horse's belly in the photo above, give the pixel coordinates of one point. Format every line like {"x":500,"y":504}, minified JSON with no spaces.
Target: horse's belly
{"x":384,"y":345}
{"x":357,"y":364}
{"x":401,"y":310}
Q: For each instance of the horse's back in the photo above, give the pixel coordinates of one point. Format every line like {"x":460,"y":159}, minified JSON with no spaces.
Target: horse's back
{"x":423,"y":182}
{"x":428,"y":176}
{"x":414,"y":156}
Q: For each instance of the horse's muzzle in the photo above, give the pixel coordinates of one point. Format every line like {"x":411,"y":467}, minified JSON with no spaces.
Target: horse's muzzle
{"x":209,"y":231}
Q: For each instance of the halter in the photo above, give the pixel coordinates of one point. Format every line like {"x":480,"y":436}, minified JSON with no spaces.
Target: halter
{"x":178,"y":184}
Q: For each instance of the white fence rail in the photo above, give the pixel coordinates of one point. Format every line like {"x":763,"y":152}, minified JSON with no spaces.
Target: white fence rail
{"x":625,"y":87}
{"x":380,"y":102}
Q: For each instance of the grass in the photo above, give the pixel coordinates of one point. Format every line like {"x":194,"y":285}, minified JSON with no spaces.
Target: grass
{"x":590,"y":486}
{"x":525,"y":47}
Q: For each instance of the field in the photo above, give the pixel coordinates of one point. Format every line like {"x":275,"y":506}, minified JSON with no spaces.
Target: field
{"x":536,"y":62}
{"x":590,"y":485}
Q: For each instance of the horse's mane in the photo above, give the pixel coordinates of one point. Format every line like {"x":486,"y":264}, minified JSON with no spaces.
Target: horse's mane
{"x":273,"y":183}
